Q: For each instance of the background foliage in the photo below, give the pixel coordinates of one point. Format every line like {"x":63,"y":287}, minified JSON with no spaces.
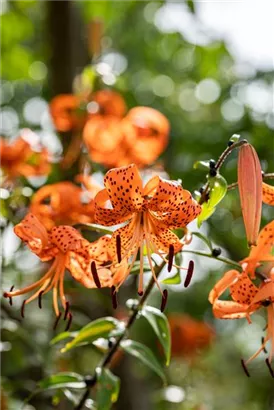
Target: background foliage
{"x":151,"y":64}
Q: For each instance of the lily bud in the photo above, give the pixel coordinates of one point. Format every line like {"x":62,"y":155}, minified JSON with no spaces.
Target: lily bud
{"x":250,"y":189}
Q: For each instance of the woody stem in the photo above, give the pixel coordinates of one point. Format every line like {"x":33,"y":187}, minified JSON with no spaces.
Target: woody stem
{"x":218,"y":165}
{"x":209,"y":255}
{"x":107,"y":359}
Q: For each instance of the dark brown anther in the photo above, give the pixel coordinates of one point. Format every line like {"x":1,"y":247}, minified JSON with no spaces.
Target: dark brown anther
{"x":245,"y":368}
{"x":189,"y":274}
{"x":170,"y":257}
{"x":140,"y":293}
{"x":69,"y":322}
{"x":164,"y":300}
{"x":271,"y":371}
{"x":23,"y":309}
{"x":40,"y":299}
{"x":57,"y":321}
{"x":66,"y":311}
{"x":10,"y":298}
{"x":264,"y":349}
{"x":118,"y":248}
{"x":114,"y":297}
{"x":95,"y":275}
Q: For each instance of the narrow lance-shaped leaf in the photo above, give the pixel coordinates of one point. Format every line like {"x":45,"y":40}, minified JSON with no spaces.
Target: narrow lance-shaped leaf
{"x":108,"y":387}
{"x":250,"y":190}
{"x":63,"y":380}
{"x":144,"y":354}
{"x":159,"y":323}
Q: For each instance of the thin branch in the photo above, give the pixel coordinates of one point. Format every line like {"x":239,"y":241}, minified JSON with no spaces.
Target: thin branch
{"x":235,"y":184}
{"x":209,"y":255}
{"x":106,"y":360}
{"x":218,"y":165}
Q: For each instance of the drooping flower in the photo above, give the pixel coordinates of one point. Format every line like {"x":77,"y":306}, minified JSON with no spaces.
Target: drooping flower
{"x":188,"y":335}
{"x":150,"y":212}
{"x":64,"y":203}
{"x":67,"y":249}
{"x":140,"y":137}
{"x":24,"y":156}
{"x":250,"y":190}
{"x":268,"y":194}
{"x":262,"y":252}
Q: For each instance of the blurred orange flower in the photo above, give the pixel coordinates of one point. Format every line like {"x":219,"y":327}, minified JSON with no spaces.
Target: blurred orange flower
{"x":140,"y":137}
{"x":64,"y":203}
{"x":268,"y":194}
{"x":150,"y":212}
{"x":22,"y":158}
{"x":188,"y":335}
{"x":68,"y":250}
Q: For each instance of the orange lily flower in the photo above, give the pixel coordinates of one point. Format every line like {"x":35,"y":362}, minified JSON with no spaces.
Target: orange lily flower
{"x":68,"y":250}
{"x":140,"y":137}
{"x":64,"y":203}
{"x":262,"y":251}
{"x":150,"y":212}
{"x":21,"y":158}
{"x":188,"y":335}
{"x":268,"y":194}
{"x":108,"y":103}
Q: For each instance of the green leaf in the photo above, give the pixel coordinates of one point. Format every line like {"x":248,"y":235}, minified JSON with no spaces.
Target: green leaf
{"x":108,"y":387}
{"x":62,"y":336}
{"x":144,"y":354}
{"x":207,"y":211}
{"x":105,"y":327}
{"x":173,"y":280}
{"x":201,"y":165}
{"x":218,"y":188}
{"x":159,"y":323}
{"x":63,"y":380}
{"x":204,"y":239}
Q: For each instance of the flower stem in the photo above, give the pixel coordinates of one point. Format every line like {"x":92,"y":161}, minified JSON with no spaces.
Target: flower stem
{"x":209,"y":255}
{"x":106,"y":360}
{"x":265,"y":176}
{"x":218,"y":165}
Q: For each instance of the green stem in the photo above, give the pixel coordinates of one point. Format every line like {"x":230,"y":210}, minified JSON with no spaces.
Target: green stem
{"x":209,"y":255}
{"x":106,"y":360}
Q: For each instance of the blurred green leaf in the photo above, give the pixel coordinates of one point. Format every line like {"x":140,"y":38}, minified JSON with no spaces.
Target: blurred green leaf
{"x":159,"y":323}
{"x":201,"y":165}
{"x":173,"y":280}
{"x":218,"y":188}
{"x":144,"y":354}
{"x":108,"y":387}
{"x":63,"y":380}
{"x":235,"y":138}
{"x":62,"y":336}
{"x":104,"y":327}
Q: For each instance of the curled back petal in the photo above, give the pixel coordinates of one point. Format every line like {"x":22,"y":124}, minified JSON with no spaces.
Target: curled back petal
{"x":31,"y":231}
{"x":268,"y":194}
{"x":66,"y":238}
{"x":171,"y":205}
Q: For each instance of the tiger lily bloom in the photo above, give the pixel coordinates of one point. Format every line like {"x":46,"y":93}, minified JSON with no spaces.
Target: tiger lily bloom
{"x":24,"y":158}
{"x":149,"y":213}
{"x":262,"y":251}
{"x":64,"y":203}
{"x":67,"y":249}
{"x":268,"y":194}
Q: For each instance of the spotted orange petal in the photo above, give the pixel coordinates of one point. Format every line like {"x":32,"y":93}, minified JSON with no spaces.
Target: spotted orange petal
{"x":66,"y":238}
{"x":171,"y":205}
{"x":31,"y":231}
{"x":162,"y":239}
{"x":268,"y":194}
{"x":243,"y":291}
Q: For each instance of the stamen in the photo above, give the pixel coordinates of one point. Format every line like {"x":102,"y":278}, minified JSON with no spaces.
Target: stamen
{"x":140,"y":292}
{"x":114,"y":297}
{"x":69,"y":322}
{"x":164,"y":300}
{"x":66,"y":311}
{"x":269,"y":367}
{"x":118,"y":248}
{"x":264,"y":349}
{"x":95,"y":275}
{"x":57,"y":320}
{"x":245,"y":368}
{"x":10,"y":298}
{"x":170,"y":257}
{"x":40,"y":299}
{"x":23,"y":309}
{"x":189,"y":274}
